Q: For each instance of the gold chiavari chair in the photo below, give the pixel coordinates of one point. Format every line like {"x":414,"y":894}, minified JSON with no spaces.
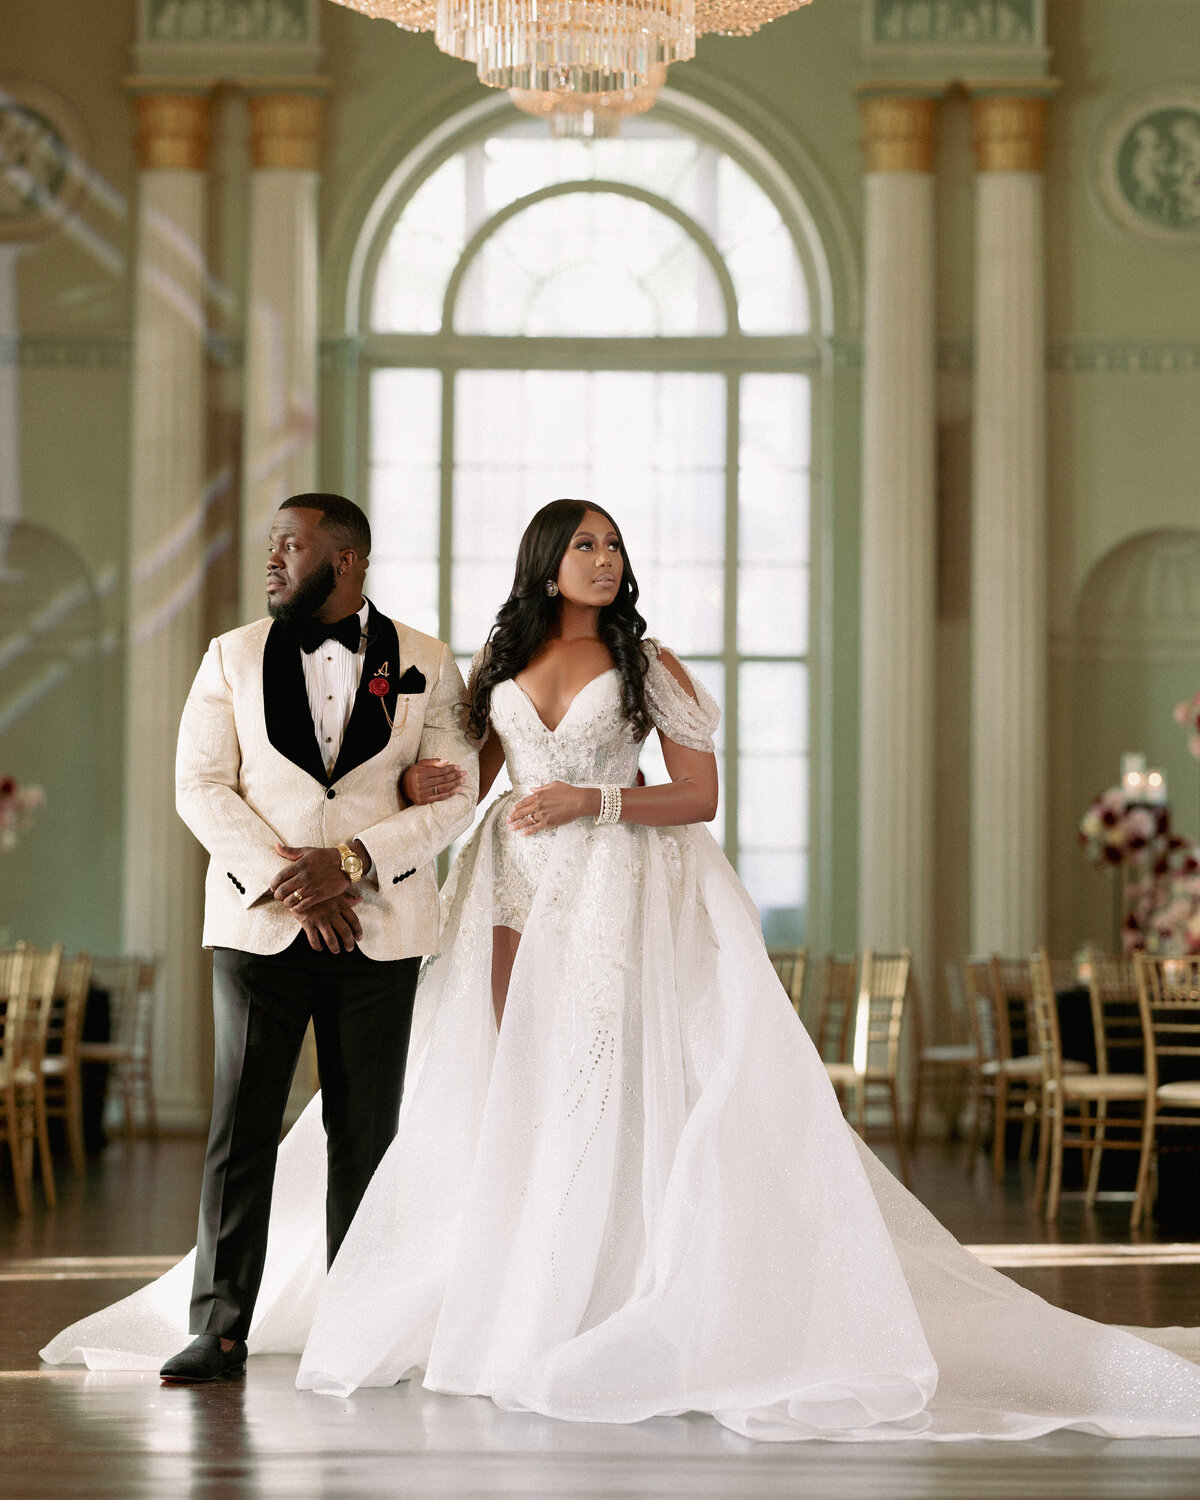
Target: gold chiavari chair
{"x":979,"y":982}
{"x":875,"y":1063}
{"x":790,"y":964}
{"x":39,"y":1011}
{"x":950,"y":1064}
{"x":129,"y":1052}
{"x":1063,"y":1091}
{"x":62,"y":1081}
{"x":1169,"y":1000}
{"x":831,"y":1026}
{"x":1117,"y":1027}
{"x":16,"y":1098}
{"x":1018,"y":1068}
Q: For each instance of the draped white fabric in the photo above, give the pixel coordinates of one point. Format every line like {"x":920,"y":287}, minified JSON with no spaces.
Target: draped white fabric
{"x":642,"y":1198}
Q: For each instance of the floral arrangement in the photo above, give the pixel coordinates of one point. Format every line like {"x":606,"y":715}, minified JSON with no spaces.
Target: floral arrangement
{"x":1115,"y":832}
{"x":17,"y":807}
{"x":1162,"y":900}
{"x":1163,"y":908}
{"x":1187,"y":715}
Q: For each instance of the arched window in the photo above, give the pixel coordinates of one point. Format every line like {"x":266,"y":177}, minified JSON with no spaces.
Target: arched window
{"x":626,"y":321}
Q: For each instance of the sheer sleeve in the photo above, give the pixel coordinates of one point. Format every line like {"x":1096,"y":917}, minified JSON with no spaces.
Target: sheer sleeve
{"x":674,"y":714}
{"x":477,"y":662}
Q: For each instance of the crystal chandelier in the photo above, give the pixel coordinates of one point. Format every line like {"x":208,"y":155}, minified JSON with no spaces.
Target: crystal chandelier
{"x":600,"y":47}
{"x":590,"y":116}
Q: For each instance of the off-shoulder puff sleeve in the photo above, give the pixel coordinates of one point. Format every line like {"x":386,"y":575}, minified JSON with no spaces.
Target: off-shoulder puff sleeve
{"x":676,"y":715}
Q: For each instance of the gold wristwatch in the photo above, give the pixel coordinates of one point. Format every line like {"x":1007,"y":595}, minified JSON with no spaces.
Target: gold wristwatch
{"x":351,"y":864}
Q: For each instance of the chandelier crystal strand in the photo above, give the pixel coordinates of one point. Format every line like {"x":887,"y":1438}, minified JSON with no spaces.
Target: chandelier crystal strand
{"x":580,"y":46}
{"x":589,"y":116}
{"x":573,"y":46}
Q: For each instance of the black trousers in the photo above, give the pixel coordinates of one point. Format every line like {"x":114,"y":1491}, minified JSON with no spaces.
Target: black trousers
{"x":361,"y":1011}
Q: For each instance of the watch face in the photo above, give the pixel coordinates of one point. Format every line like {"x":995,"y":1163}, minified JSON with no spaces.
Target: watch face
{"x":352,"y":865}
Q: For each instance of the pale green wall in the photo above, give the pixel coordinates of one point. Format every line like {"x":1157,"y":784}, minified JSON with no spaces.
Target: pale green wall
{"x":1124,"y":447}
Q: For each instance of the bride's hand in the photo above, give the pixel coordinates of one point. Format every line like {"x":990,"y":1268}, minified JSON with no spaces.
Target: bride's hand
{"x":428,"y":781}
{"x":551,"y":806}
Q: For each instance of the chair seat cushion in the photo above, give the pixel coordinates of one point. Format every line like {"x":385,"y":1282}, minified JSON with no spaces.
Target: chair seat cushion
{"x":54,"y":1066}
{"x":1186,"y":1091}
{"x":963,"y":1054}
{"x":1013,"y":1067}
{"x":1106,"y":1086}
{"x":1028,"y":1067}
{"x":103,"y":1052}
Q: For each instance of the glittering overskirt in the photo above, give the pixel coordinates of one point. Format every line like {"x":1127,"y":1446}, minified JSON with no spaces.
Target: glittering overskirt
{"x":642,"y":1198}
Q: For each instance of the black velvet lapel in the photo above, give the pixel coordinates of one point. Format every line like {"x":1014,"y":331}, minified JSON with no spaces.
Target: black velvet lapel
{"x":374,"y":712}
{"x":285,"y":703}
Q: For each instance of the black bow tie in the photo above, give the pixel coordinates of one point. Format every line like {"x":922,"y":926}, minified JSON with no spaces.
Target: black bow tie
{"x":314,"y":633}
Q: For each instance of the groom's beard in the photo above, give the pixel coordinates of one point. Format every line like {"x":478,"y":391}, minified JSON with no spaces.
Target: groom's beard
{"x":310,"y":595}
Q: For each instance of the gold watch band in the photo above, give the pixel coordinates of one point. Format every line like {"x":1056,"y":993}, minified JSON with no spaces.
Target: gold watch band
{"x":351,"y":864}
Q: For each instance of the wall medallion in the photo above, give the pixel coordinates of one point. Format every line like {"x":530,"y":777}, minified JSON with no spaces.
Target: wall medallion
{"x":1149,"y":167}
{"x":42,"y":172}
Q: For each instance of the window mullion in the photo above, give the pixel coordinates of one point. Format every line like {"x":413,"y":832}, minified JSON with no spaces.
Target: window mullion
{"x":446,"y":520}
{"x":732,"y":433}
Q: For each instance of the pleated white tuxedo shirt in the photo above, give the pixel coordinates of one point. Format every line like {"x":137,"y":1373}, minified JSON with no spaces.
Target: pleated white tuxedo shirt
{"x":332,"y":675}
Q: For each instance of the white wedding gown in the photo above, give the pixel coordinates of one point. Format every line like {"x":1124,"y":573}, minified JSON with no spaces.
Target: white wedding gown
{"x":643,"y":1198}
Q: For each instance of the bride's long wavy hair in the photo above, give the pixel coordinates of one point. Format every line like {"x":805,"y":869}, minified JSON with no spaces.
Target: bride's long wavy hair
{"x":528,"y":614}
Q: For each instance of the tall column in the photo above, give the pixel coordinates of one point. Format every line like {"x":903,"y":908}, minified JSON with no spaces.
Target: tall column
{"x":10,"y":378}
{"x":163,"y":864}
{"x":1008,"y":530}
{"x":280,"y":442}
{"x":898,"y":530}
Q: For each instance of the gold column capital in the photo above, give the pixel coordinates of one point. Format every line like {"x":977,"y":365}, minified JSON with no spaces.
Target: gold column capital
{"x":1009,"y":130}
{"x":900,"y":130}
{"x":285,"y":130}
{"x":172,"y":130}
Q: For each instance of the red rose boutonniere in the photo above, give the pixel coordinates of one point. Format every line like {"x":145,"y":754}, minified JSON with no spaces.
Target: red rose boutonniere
{"x":380,"y":686}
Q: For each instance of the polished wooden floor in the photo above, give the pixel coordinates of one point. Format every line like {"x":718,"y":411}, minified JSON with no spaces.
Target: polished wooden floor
{"x":65,"y":1432}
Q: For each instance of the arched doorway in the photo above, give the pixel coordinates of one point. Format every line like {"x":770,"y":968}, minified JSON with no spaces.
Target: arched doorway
{"x":1137,"y":654}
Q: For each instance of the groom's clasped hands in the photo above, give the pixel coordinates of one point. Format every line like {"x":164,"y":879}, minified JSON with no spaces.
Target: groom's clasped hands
{"x":315,"y":888}
{"x":318,"y":893}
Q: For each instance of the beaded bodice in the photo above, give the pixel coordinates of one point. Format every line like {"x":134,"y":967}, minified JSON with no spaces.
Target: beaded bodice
{"x":590,"y":746}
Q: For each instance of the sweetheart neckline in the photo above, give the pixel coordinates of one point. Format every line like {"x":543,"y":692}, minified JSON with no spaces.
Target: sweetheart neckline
{"x":570,"y":706}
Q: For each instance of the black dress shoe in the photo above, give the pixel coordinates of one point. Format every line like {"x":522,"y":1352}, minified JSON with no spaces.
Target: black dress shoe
{"x":204,"y":1359}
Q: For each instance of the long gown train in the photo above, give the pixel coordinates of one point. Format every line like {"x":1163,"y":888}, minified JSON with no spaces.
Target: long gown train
{"x":642,"y":1198}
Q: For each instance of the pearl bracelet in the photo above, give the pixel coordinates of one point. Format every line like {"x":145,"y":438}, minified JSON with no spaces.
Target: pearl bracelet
{"x":610,"y":805}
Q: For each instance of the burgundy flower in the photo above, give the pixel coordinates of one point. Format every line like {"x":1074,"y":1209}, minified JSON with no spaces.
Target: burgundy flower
{"x":8,"y":786}
{"x":378,"y":686}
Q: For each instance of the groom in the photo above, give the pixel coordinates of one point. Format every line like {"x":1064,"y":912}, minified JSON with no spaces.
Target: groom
{"x":321,"y":893}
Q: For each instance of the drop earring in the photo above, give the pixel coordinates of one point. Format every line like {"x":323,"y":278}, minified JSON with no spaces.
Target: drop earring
{"x":551,"y":587}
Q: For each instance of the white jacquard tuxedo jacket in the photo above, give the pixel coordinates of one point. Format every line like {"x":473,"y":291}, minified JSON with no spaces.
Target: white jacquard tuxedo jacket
{"x":249,"y":774}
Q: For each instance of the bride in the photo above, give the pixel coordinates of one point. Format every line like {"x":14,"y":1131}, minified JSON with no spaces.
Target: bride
{"x":621,"y":1185}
